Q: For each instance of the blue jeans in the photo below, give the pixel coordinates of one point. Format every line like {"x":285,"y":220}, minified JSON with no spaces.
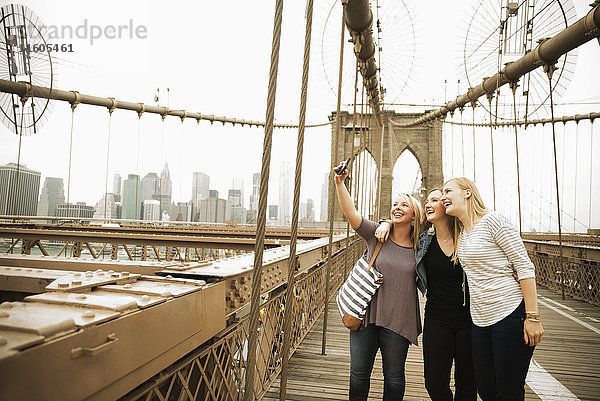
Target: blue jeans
{"x":363,"y":348}
{"x":501,"y":358}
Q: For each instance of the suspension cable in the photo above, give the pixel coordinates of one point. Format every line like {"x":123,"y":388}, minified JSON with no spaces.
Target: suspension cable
{"x":289,"y":298}
{"x":462,"y":138}
{"x":137,"y":167}
{"x":492,"y":150}
{"x":20,"y":133}
{"x":591,"y":173}
{"x":473,"y":104}
{"x":575,"y":179}
{"x":261,"y":219}
{"x":513,"y":86}
{"x":110,"y":111}
{"x":549,"y":70}
{"x":73,"y":106}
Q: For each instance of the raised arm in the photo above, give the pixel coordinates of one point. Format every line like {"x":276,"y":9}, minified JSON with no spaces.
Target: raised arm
{"x":354,"y":218}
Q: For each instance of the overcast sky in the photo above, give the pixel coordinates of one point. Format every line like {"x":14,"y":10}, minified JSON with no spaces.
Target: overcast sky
{"x":214,"y":57}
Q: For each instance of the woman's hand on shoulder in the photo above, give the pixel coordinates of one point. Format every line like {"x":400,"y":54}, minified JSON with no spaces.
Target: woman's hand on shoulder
{"x":383,"y":231}
{"x":532,"y":332}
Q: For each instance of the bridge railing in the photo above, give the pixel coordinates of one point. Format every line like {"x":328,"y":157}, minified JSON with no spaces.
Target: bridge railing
{"x":578,"y":277}
{"x":217,"y":371}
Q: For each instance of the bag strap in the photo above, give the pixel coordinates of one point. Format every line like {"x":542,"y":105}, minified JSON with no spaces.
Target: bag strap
{"x":375,"y":253}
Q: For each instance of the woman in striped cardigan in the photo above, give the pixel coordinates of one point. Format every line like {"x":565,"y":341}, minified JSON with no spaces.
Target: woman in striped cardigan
{"x":501,"y":277}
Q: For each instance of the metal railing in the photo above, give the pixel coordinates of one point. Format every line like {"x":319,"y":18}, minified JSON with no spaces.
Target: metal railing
{"x":581,"y":279}
{"x":217,"y":371}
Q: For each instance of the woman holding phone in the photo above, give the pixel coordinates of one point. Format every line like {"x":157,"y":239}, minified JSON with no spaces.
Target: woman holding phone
{"x":506,"y":321}
{"x":447,"y":328}
{"x":392,"y":320}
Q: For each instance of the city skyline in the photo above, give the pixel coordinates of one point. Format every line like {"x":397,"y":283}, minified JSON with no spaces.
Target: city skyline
{"x":50,"y":200}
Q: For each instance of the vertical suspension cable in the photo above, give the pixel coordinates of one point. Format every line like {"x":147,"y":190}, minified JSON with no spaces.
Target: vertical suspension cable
{"x":473,"y":104}
{"x":549,"y":70}
{"x":379,"y":172}
{"x":576,"y":168}
{"x":137,"y":167}
{"x":331,"y":201}
{"x":20,"y":129}
{"x":289,"y":298}
{"x":261,"y":218}
{"x":591,"y":173}
{"x":180,"y":172}
{"x":351,"y":169}
{"x":160,"y":177}
{"x":514,"y":91}
{"x":107,"y":162}
{"x":462,"y":139}
{"x":492,"y":156}
{"x":452,"y":144}
{"x":73,"y":106}
{"x":562,"y":162}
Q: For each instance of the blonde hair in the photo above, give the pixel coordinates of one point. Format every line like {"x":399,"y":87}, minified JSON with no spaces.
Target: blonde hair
{"x":475,"y":209}
{"x":417,"y":208}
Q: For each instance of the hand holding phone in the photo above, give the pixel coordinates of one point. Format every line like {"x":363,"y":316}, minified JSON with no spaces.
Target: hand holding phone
{"x":343,"y":168}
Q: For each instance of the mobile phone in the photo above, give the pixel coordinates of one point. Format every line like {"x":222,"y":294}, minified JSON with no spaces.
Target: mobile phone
{"x":344,"y":166}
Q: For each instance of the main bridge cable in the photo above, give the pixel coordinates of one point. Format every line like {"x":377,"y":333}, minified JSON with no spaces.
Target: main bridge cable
{"x":290,"y":299}
{"x":23,"y":88}
{"x":548,"y":51}
{"x":359,"y":20}
{"x":261,"y":218}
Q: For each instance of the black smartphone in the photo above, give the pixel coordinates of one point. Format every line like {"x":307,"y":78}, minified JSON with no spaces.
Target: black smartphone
{"x":344,"y":166}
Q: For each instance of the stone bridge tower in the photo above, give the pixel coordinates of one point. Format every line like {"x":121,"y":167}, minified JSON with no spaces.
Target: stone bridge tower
{"x":423,"y":141}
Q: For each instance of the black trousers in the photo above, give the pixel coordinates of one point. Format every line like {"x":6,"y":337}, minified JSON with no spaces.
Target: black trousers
{"x":501,"y":358}
{"x":443,"y":345}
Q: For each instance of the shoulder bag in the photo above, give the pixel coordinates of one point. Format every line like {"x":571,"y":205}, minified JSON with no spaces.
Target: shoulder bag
{"x":356,"y":293}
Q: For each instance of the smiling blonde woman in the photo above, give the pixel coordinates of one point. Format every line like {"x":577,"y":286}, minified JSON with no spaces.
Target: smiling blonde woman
{"x":501,"y":277}
{"x":392,"y":320}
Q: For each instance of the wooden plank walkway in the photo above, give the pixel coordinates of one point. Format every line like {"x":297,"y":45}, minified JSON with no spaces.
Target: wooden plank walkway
{"x":570,"y":352}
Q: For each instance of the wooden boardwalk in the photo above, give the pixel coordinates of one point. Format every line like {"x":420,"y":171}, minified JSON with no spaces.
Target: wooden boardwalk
{"x":569,"y":353}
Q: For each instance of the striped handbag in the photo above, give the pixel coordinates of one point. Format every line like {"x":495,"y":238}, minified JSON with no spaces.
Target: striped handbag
{"x":356,"y":293}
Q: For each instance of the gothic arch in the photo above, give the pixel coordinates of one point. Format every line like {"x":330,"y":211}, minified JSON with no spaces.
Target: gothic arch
{"x":423,"y":141}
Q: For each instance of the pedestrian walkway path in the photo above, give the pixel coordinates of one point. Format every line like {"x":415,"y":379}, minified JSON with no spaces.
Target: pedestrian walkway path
{"x":566,"y":363}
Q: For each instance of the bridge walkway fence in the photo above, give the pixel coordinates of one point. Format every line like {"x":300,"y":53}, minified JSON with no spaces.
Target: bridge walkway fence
{"x":216,"y":371}
{"x":581,"y":279}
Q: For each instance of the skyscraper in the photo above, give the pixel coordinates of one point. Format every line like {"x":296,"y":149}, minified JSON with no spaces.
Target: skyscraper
{"x":25,"y":202}
{"x":52,"y":194}
{"x":200,"y":185}
{"x":111,"y":207}
{"x":238,"y":184}
{"x":324,"y":197}
{"x":79,"y":209}
{"x":117,"y":187}
{"x":166,"y":190}
{"x":235,"y":197}
{"x":307,"y":211}
{"x":285,"y":193}
{"x":150,"y":187}
{"x":151,"y":209}
{"x":131,"y":193}
{"x":255,"y":191}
